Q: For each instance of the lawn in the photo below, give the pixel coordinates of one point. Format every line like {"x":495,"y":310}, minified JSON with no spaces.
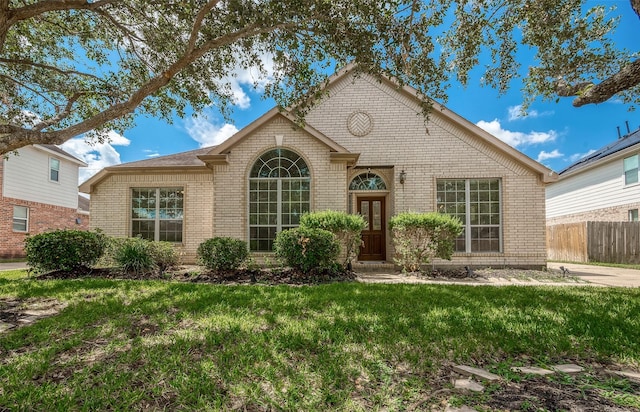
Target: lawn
{"x":153,"y":345}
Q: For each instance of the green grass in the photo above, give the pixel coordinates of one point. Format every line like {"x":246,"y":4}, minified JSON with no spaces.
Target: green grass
{"x":13,"y":274}
{"x":126,"y":345}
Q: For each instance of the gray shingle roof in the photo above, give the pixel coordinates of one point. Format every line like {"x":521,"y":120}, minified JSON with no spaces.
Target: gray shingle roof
{"x":628,"y":140}
{"x":56,"y":149}
{"x":182,"y":159}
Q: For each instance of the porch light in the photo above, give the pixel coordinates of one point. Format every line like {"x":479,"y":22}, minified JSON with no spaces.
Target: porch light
{"x":403,"y":176}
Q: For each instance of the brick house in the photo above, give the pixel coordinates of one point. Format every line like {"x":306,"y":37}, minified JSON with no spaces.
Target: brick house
{"x":38,"y":193}
{"x":365,"y":148}
{"x":604,"y":186}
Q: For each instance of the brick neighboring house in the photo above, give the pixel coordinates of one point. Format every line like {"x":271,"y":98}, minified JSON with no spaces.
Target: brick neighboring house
{"x":604,"y":186}
{"x":365,"y":148}
{"x":38,"y":193}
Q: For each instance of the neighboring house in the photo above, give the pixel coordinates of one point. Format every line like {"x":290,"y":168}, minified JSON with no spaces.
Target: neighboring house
{"x":365,"y":148}
{"x":38,"y":193}
{"x":604,"y":186}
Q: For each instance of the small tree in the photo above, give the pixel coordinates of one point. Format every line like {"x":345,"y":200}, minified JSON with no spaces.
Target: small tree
{"x":346,"y":228}
{"x":420,"y":237}
{"x":306,"y":249}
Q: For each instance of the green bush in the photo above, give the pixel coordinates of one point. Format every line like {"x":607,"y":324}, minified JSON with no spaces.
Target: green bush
{"x":164,"y":255}
{"x":64,"y":249}
{"x":347,"y":229}
{"x":306,"y":249}
{"x":134,"y":255}
{"x":222,"y":253}
{"x":419,"y":237}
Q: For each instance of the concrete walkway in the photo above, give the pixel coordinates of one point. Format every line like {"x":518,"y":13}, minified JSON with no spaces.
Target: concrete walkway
{"x":601,"y":275}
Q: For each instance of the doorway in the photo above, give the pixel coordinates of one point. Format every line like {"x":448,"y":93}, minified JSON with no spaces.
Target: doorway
{"x":373,"y":235}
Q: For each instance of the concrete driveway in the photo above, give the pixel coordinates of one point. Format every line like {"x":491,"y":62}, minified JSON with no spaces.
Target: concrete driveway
{"x":601,"y":275}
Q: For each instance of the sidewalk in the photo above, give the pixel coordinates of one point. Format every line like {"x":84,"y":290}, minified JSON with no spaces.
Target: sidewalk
{"x":13,"y":266}
{"x":601,"y":275}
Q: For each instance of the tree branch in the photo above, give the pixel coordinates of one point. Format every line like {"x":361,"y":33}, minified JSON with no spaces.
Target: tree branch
{"x":588,"y":93}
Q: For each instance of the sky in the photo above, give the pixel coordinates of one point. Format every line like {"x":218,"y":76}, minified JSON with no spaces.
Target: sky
{"x":554,"y":134}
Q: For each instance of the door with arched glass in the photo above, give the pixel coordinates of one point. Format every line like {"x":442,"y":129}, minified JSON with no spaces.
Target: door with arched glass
{"x":279,"y":193}
{"x":370,"y":201}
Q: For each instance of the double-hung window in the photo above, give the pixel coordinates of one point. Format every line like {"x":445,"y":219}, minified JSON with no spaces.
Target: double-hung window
{"x":20,"y":219}
{"x":157,"y":213}
{"x":477,"y":203}
{"x":54,"y":169}
{"x":631,"y":164}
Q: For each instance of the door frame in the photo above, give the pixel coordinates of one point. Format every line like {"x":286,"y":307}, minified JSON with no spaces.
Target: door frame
{"x":383,"y":198}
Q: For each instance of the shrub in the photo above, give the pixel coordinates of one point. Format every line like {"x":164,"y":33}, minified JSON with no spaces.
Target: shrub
{"x":134,"y":255}
{"x":222,"y":253}
{"x":305,"y":249}
{"x":164,"y":255}
{"x":419,"y":237}
{"x":347,"y":229}
{"x":64,"y":249}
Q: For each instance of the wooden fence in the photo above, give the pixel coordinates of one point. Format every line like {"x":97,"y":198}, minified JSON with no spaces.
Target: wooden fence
{"x":607,"y":242}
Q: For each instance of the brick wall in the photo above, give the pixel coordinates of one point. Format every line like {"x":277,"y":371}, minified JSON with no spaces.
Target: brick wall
{"x":607,"y":214}
{"x":42,"y":218}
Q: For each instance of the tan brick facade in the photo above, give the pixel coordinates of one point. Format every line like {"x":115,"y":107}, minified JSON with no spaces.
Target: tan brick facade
{"x":390,"y":136}
{"x":607,"y":214}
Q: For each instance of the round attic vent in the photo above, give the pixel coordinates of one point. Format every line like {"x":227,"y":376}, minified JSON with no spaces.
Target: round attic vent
{"x":360,"y":123}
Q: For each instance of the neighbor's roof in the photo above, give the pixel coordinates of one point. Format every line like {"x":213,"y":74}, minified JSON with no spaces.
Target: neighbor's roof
{"x":53,"y":149}
{"x":619,"y":145}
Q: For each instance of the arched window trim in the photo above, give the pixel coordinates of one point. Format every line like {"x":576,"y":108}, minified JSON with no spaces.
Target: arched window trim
{"x":279,"y":193}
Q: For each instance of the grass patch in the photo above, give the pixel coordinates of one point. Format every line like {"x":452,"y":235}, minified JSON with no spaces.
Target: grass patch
{"x":13,"y":274}
{"x":133,"y":345}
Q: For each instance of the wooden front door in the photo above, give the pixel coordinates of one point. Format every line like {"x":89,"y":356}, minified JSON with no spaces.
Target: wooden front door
{"x":373,"y":239}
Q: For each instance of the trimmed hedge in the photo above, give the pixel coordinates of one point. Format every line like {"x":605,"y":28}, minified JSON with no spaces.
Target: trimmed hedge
{"x":420,"y":237}
{"x":305,"y":249}
{"x":64,"y":249}
{"x":347,"y":229}
{"x":222,"y":253}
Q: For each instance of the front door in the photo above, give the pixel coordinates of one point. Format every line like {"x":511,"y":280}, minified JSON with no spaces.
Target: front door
{"x":373,"y":241}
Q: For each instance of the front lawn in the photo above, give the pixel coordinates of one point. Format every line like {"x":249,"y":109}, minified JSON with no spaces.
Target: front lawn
{"x":153,"y":345}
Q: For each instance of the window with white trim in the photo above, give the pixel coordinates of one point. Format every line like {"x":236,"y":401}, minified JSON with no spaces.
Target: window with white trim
{"x":631,"y":170}
{"x":477,"y":203}
{"x":20,"y":219}
{"x":157,"y":213}
{"x":279,"y":193}
{"x":54,"y":169}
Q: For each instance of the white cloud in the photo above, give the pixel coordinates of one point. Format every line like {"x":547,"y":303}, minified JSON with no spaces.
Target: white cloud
{"x":515,"y":113}
{"x":252,"y":77}
{"x":207,"y":133}
{"x":151,"y":153}
{"x":554,"y":154}
{"x":516,"y":139}
{"x":97,"y":156}
{"x":577,"y":156}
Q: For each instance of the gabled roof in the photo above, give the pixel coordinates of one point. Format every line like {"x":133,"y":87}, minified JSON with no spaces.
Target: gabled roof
{"x":55,"y":150}
{"x":605,"y":153}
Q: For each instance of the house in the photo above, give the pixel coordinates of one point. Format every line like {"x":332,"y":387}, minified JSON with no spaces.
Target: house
{"x":365,"y":148}
{"x":38,"y":193}
{"x":604,"y":186}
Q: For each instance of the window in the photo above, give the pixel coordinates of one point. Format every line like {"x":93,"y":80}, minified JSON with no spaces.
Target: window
{"x":157,"y":213}
{"x":633,"y":215}
{"x":54,"y":169}
{"x":478,"y":206}
{"x":20,"y":219}
{"x":367,"y":181}
{"x":279,"y":193}
{"x":631,"y":170}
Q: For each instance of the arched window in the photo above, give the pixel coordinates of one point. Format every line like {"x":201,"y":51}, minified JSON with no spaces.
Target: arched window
{"x":279,"y":193}
{"x":367,"y":181}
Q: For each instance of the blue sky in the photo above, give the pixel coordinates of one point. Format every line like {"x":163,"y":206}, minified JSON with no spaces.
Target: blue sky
{"x":555,"y":134}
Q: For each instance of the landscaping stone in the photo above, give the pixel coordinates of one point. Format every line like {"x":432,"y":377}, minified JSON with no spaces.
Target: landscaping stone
{"x":40,"y":312}
{"x":4,"y":326}
{"x":468,"y":384}
{"x":533,"y":370}
{"x":569,"y":368}
{"x":625,"y":374}
{"x":480,"y":373}
{"x":28,"y":319}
